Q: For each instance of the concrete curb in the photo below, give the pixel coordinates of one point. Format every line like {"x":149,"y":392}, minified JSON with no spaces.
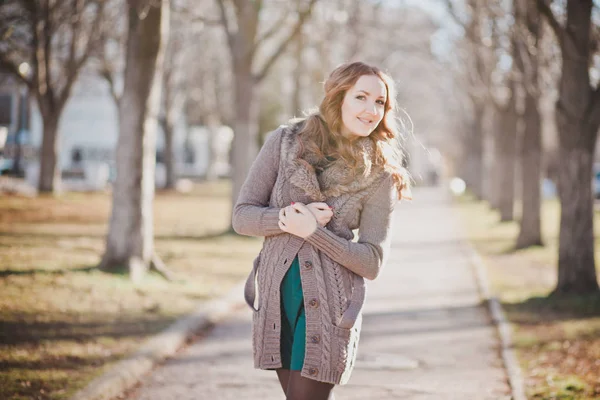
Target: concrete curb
{"x":509,"y":357}
{"x":126,"y":373}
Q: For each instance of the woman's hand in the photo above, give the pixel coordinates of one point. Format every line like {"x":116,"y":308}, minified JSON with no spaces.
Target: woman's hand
{"x":321,"y":211}
{"x":298,"y":220}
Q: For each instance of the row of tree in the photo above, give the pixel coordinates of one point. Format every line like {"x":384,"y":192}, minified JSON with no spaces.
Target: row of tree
{"x":227,"y":61}
{"x":511,"y":48}
{"x":208,"y":58}
{"x":126,"y":42}
{"x":57,"y":39}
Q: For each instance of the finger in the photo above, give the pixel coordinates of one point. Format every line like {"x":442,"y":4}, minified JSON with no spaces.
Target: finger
{"x":323,"y":216}
{"x":301,"y":208}
{"x":326,"y":211}
{"x":289,"y":210}
{"x":321,"y":206}
{"x":293,"y":210}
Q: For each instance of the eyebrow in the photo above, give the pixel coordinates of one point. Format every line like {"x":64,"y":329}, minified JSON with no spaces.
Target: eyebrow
{"x":368,"y":94}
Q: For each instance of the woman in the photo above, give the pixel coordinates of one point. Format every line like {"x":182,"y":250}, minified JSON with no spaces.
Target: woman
{"x":313,"y":183}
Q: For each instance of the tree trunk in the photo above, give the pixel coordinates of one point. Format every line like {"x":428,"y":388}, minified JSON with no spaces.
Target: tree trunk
{"x":171,"y":109}
{"x":576,"y":265}
{"x":297,"y":75}
{"x":212,"y":127}
{"x":49,"y":178}
{"x":507,"y":162}
{"x":492,"y":194}
{"x":474,"y":145}
{"x":130,"y":238}
{"x":244,"y":146}
{"x":169,"y":158}
{"x":577,"y":119}
{"x":530,"y":231}
{"x":243,"y":45}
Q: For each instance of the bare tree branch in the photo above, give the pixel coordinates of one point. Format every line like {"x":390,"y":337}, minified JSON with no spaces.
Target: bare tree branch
{"x":454,"y":15}
{"x":93,"y":37}
{"x":226,"y":25}
{"x":207,"y":21}
{"x":545,"y":10}
{"x":275,"y":28}
{"x":302,"y":16}
{"x":42,"y":49}
{"x":75,"y":64}
{"x":75,"y":26}
{"x":107,"y":73}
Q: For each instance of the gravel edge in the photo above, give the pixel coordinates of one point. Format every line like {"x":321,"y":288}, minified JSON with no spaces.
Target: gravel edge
{"x":127,"y":372}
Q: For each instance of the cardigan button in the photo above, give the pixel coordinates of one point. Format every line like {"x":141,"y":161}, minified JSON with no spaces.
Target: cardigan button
{"x":313,"y":371}
{"x":308,"y":265}
{"x":315,"y":339}
{"x":314,"y":303}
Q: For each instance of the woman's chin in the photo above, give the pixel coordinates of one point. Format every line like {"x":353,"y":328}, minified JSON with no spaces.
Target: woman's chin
{"x":362,"y":133}
{"x":357,"y":133}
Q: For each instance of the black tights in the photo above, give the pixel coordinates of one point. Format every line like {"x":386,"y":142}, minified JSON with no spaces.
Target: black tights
{"x":297,"y":387}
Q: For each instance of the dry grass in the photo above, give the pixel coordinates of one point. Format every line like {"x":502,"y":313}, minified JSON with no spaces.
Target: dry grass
{"x":62,"y":321}
{"x":557,"y":339}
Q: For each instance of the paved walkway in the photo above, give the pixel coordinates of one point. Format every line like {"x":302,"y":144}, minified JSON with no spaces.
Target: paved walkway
{"x":425,"y":335}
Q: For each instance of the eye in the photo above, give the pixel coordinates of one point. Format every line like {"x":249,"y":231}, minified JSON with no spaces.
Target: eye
{"x":380,"y":102}
{"x":361,"y":97}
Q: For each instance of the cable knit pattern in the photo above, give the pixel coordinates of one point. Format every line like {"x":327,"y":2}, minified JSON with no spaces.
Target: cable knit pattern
{"x":337,"y":283}
{"x":333,"y":268}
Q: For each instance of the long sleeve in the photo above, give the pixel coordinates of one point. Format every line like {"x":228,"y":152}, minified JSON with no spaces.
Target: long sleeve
{"x":367,"y":256}
{"x":252,"y":215}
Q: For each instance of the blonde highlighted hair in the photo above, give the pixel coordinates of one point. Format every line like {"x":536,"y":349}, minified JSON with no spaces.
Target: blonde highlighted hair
{"x":321,"y":131}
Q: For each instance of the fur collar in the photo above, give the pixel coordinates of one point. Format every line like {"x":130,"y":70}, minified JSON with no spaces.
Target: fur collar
{"x":334,"y":181}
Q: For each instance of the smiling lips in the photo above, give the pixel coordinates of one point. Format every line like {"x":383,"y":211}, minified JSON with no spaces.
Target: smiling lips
{"x":365,"y":121}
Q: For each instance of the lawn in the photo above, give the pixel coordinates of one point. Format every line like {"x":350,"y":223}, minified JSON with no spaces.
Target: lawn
{"x":557,"y":340}
{"x":63,"y":322}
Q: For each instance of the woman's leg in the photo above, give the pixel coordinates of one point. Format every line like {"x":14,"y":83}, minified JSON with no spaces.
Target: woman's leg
{"x":301,"y":388}
{"x":284,"y":376}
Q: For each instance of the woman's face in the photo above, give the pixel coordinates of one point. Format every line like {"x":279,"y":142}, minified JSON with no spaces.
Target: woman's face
{"x":363,"y":106}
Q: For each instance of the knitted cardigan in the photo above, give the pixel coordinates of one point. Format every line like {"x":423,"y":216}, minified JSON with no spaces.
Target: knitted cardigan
{"x":332,"y":265}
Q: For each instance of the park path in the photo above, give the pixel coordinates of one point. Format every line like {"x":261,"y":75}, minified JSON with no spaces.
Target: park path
{"x":425,"y":333}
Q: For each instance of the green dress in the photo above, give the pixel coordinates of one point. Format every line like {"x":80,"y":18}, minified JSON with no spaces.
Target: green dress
{"x":293,"y":319}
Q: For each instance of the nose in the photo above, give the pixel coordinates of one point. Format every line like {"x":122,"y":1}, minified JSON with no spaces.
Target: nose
{"x":371,"y":108}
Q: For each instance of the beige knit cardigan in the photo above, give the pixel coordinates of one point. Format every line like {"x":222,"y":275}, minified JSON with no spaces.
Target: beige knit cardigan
{"x":332,"y":265}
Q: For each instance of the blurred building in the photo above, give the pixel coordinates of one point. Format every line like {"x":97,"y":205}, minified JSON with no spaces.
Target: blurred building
{"x":88,"y":133}
{"x":14,"y":125}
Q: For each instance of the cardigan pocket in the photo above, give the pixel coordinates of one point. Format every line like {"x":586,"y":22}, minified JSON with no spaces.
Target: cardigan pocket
{"x":345,"y":343}
{"x":251,"y":288}
{"x":352,"y":314}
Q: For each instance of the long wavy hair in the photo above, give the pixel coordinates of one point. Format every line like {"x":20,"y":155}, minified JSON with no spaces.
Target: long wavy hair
{"x":321,"y":130}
